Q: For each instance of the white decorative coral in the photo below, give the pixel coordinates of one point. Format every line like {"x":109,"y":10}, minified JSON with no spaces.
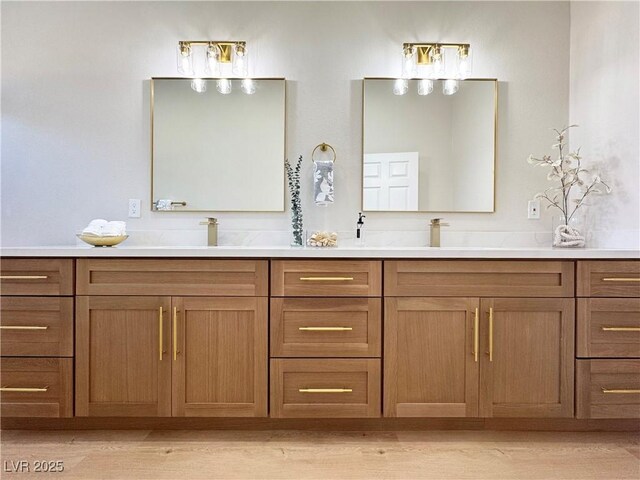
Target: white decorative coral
{"x":576,"y":184}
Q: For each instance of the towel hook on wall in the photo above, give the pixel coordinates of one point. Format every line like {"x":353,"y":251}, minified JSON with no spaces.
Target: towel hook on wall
{"x":323,"y":147}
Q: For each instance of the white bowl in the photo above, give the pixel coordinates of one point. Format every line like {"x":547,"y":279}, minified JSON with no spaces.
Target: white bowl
{"x":102,"y":241}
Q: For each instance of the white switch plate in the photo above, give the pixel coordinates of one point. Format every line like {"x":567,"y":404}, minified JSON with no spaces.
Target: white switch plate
{"x":533,"y":210}
{"x":134,"y":208}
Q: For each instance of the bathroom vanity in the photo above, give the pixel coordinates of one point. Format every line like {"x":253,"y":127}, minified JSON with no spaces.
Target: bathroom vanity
{"x":477,"y":338}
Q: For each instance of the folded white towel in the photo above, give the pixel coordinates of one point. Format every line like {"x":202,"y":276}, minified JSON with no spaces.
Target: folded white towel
{"x":102,"y":228}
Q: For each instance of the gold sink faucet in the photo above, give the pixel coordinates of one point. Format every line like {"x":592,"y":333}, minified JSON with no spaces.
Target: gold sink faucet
{"x":436,"y":223}
{"x":212,"y":231}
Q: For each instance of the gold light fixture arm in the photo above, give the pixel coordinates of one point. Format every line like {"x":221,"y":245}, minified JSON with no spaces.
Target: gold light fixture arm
{"x":428,"y":51}
{"x":225,"y":48}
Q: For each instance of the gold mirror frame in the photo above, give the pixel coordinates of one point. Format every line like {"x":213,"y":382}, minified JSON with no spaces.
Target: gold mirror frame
{"x":151,"y":200}
{"x":495,"y":151}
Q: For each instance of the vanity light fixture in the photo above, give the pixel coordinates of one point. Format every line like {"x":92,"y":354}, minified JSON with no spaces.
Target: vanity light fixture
{"x":429,"y":61}
{"x":220,"y":58}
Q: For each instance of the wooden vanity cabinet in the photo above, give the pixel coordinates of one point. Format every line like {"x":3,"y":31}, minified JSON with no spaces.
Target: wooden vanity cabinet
{"x":472,"y":356}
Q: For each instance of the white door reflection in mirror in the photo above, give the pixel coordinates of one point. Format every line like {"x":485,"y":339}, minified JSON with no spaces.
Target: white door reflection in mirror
{"x":391,"y":181}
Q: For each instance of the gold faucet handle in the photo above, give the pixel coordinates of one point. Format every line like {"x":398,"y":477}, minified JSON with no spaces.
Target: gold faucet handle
{"x":438,"y":222}
{"x":210,"y":221}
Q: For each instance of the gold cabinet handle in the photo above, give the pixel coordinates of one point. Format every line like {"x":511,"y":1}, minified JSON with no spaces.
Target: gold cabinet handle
{"x":476,"y":335}
{"x":620,"y":390}
{"x":326,"y":279}
{"x":23,"y":277}
{"x":175,"y":333}
{"x":24,"y":389}
{"x":325,"y":329}
{"x":621,"y":279}
{"x":23,"y":327}
{"x":621,"y":329}
{"x":160,"y":328}
{"x":491,"y":334}
{"x":325,"y":390}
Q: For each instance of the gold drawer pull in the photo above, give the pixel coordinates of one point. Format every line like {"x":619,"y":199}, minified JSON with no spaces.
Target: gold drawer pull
{"x":23,"y":277}
{"x":621,"y":279}
{"x":620,"y":390}
{"x":22,"y":327}
{"x":476,"y":335}
{"x":325,"y":390}
{"x":621,"y":329}
{"x":326,"y":279}
{"x":23,"y":389}
{"x":325,"y":329}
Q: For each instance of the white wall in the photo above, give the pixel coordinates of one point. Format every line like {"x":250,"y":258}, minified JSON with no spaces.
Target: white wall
{"x":605,"y":84}
{"x":75,"y":118}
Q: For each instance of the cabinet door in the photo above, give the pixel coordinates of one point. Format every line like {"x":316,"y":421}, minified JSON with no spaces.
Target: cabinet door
{"x":527,"y":369}
{"x":122,"y":362}
{"x":431,"y":357}
{"x":219,"y":357}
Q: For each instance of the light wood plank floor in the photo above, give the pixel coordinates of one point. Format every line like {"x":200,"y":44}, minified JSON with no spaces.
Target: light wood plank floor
{"x":187,"y":455}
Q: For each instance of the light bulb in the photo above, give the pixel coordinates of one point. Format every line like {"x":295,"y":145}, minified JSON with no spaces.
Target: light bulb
{"x":248,"y":86}
{"x":199,"y":85}
{"x":401,"y":86}
{"x":465,"y":61}
{"x":437,"y":59}
{"x":185,"y":59}
{"x":224,"y":86}
{"x":449,"y":87}
{"x":240,"y":65}
{"x":425,"y":87}
{"x":408,"y":62}
{"x":212,"y":65}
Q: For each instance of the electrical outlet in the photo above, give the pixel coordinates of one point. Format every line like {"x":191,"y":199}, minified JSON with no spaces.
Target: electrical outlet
{"x":134,"y":208}
{"x":533,"y":210}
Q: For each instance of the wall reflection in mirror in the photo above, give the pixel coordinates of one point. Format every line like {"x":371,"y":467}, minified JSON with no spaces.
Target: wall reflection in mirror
{"x":429,"y":145}
{"x":218,"y":144}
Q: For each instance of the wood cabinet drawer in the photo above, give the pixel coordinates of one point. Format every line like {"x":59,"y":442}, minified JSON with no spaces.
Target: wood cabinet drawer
{"x":429,"y":278}
{"x":608,"y":327}
{"x":36,"y":387}
{"x":37,"y":326}
{"x":608,"y":388}
{"x":325,"y":327}
{"x":36,"y":276}
{"x":326,"y":278}
{"x":606,"y":278}
{"x":325,"y":388}
{"x":173,"y":277}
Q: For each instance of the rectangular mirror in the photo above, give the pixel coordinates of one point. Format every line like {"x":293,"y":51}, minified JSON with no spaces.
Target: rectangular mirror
{"x":218,"y":152}
{"x":429,"y":152}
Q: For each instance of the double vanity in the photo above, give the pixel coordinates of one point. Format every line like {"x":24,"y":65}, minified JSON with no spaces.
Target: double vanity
{"x":310,"y":334}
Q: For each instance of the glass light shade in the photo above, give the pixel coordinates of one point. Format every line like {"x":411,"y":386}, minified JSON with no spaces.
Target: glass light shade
{"x":240,"y":66}
{"x":408,"y":64}
{"x":212,"y":65}
{"x":464,"y":62}
{"x":401,"y":86}
{"x":185,"y":60}
{"x":224,"y":86}
{"x":199,"y":85}
{"x":424,"y":71}
{"x":425,"y":87}
{"x":248,"y":86}
{"x":438,"y":62}
{"x":449,"y":87}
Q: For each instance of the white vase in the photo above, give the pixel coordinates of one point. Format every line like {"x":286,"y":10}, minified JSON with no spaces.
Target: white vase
{"x":571,"y":234}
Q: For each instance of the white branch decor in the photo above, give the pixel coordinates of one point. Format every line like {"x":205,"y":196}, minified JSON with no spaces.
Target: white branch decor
{"x":293,"y":177}
{"x":574,"y":185}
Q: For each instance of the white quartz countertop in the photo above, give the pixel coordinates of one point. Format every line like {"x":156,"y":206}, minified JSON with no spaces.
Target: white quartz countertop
{"x":339,"y":252}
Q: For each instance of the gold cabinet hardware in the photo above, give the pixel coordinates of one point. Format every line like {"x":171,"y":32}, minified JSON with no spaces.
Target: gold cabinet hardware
{"x":23,"y":277}
{"x":175,"y":333}
{"x":326,"y":279}
{"x":476,"y":335}
{"x":160,"y":327}
{"x":325,"y":329}
{"x":621,"y":329}
{"x":491,"y":334}
{"x":23,"y":327}
{"x":620,"y":390}
{"x":325,"y":390}
{"x":24,"y":389}
{"x":621,"y":279}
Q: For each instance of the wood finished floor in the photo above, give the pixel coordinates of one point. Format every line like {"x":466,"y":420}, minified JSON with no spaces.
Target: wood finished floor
{"x":187,"y":455}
